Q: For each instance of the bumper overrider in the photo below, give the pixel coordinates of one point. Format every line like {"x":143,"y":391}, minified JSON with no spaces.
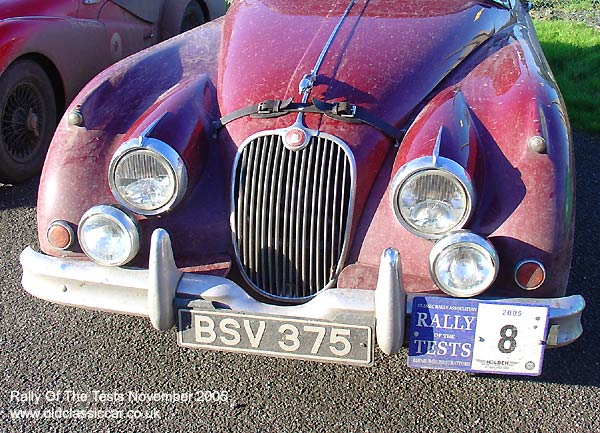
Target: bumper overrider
{"x":160,"y":291}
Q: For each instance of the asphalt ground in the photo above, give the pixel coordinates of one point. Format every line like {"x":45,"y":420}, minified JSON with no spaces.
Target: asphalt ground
{"x":98,"y":372}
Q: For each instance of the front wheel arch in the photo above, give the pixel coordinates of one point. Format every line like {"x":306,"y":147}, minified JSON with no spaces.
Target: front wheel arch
{"x":55,"y":78}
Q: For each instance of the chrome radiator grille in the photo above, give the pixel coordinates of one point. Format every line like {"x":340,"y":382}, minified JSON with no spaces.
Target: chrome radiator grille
{"x":291,"y":214}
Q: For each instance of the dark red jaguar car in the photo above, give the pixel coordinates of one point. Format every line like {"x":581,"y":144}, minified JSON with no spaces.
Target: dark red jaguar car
{"x":50,"y":49}
{"x":312,"y":179}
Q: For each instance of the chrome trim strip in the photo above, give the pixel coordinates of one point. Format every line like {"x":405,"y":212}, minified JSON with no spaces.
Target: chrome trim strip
{"x":434,"y":162}
{"x":300,"y":250}
{"x":296,"y":252}
{"x":146,"y":132}
{"x":308,"y":81}
{"x":436,"y":147}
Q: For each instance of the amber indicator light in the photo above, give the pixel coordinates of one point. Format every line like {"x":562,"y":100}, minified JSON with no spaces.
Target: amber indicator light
{"x":530,"y":274}
{"x":60,"y":235}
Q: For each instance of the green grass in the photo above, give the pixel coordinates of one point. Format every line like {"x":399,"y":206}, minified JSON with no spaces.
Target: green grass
{"x":573,"y":51}
{"x":567,"y":5}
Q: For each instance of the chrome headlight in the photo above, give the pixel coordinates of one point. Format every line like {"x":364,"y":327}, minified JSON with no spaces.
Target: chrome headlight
{"x":432,"y":197}
{"x":108,"y":235}
{"x":463,"y":264}
{"x":147,"y":176}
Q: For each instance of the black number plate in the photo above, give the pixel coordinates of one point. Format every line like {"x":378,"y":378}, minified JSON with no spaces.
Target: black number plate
{"x":276,"y":336}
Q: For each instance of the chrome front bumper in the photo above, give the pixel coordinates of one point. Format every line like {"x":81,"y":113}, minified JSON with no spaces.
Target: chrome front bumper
{"x":152,"y":292}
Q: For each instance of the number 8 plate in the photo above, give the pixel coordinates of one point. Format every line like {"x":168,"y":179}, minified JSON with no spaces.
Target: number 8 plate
{"x":509,"y":339}
{"x":276,"y":336}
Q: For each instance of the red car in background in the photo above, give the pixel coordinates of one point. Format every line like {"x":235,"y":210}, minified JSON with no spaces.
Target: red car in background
{"x":50,"y":49}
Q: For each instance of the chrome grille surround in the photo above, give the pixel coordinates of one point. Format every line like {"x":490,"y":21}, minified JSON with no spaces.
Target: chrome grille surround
{"x":291,"y":213}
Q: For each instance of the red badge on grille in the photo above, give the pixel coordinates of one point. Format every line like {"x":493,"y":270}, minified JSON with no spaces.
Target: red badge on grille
{"x":294,"y":138}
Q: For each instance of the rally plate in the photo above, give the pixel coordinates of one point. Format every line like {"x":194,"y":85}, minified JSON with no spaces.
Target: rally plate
{"x":477,"y":336}
{"x":286,"y":337}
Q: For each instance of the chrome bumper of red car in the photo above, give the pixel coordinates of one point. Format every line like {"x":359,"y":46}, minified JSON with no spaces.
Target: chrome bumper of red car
{"x":152,"y":292}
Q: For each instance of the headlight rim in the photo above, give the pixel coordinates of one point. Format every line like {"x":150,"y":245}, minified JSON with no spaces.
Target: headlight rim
{"x":449,"y":167}
{"x":121,"y":217}
{"x":162,"y":151}
{"x":456,"y":239}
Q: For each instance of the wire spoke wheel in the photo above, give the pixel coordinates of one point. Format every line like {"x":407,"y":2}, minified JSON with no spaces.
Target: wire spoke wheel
{"x":27,"y":120}
{"x":22,"y":118}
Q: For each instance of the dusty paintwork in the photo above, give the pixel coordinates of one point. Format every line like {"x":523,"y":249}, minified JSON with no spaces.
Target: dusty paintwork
{"x":487,"y":84}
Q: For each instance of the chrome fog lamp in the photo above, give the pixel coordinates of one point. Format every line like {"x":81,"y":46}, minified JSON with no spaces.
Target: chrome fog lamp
{"x":147,"y":176}
{"x":432,"y":197}
{"x":108,"y":235}
{"x":463,"y":264}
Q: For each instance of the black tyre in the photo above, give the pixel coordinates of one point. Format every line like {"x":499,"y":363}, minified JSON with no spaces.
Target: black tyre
{"x":27,"y":120}
{"x":193,"y":16}
{"x":180,"y":16}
